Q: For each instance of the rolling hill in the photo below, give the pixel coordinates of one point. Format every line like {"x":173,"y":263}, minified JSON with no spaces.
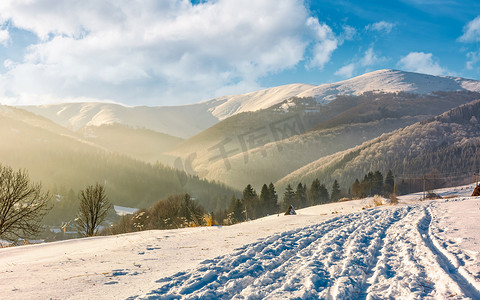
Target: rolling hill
{"x":63,"y":160}
{"x":139,"y":143}
{"x":264,"y":136}
{"x":188,"y":120}
{"x":181,"y":121}
{"x":257,"y":151}
{"x":448,"y":144}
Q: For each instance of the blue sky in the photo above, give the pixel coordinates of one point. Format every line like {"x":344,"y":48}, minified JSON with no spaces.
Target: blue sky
{"x":170,"y":52}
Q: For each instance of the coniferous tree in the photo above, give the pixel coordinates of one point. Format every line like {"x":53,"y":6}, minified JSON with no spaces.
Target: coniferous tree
{"x":336,"y":193}
{"x":324,"y":196}
{"x":377,"y":183}
{"x":273,"y":205}
{"x":315,"y":192}
{"x":288,"y":196}
{"x":191,"y":211}
{"x":250,"y":200}
{"x":236,"y":211}
{"x":265,"y":200}
{"x":389,"y":183}
{"x":367,"y":185}
{"x":301,"y":196}
{"x":357,"y":189}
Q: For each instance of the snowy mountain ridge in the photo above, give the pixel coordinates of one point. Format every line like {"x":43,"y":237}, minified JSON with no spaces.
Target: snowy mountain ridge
{"x":391,"y":81}
{"x":188,"y":120}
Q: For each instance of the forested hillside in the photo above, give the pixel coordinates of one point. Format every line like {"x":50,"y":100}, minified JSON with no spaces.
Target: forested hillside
{"x":446,"y":146}
{"x":64,"y":162}
{"x":139,"y":143}
{"x":267,"y":145}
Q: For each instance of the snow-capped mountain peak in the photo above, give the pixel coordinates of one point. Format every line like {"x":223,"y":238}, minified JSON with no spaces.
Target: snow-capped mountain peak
{"x":391,"y":81}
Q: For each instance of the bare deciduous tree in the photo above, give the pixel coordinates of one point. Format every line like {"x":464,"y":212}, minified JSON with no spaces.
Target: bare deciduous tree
{"x":22,"y":205}
{"x":94,"y":207}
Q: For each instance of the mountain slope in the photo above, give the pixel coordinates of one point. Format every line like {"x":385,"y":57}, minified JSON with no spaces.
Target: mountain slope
{"x":139,"y":143}
{"x":61,"y":159}
{"x":188,"y":120}
{"x":448,"y":144}
{"x":265,"y":135}
{"x":181,"y":121}
{"x":267,"y":145}
{"x":391,"y":81}
{"x":228,"y":106}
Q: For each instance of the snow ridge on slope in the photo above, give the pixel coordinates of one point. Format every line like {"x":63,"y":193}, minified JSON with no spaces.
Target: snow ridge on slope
{"x":231,"y":105}
{"x":391,"y":81}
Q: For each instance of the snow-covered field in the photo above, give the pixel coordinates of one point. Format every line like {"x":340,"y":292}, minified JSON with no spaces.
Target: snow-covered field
{"x":412,"y":250}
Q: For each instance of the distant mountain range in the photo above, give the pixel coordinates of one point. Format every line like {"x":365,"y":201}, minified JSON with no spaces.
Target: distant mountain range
{"x":188,"y":120}
{"x":283,"y":134}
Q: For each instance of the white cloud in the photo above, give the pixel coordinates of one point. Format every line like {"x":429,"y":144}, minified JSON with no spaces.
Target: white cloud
{"x":473,"y":59}
{"x":4,"y":37}
{"x":369,"y":58}
{"x":325,"y":45}
{"x":349,"y":33}
{"x":8,"y":63}
{"x":346,"y":71}
{"x":421,"y":62}
{"x":471,"y":31}
{"x":156,"y":51}
{"x":381,"y":26}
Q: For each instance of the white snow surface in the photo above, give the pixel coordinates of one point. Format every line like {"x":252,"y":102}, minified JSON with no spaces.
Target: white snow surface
{"x":230,"y":105}
{"x":391,"y":81}
{"x":188,"y":120}
{"x":122,"y":210}
{"x":414,"y":250}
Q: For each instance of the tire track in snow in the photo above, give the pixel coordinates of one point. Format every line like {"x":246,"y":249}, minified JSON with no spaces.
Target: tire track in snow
{"x":371,"y":254}
{"x":362,"y":256}
{"x":227,"y":276}
{"x":467,"y":288}
{"x":407,"y":267}
{"x":310,"y":275}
